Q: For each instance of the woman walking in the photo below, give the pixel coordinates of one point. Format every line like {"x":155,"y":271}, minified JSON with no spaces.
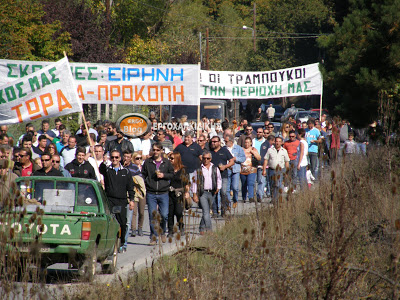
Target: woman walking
{"x":248,"y":171}
{"x":179,"y":191}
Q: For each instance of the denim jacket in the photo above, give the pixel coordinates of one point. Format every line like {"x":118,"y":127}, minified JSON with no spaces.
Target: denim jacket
{"x":238,"y":152}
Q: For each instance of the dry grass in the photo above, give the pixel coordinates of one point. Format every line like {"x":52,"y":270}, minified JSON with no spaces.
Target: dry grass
{"x":339,"y":241}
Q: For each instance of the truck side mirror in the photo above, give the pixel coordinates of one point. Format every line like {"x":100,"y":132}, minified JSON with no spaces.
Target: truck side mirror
{"x":116,"y":210}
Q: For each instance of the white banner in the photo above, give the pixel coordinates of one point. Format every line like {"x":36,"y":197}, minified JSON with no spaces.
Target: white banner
{"x":121,"y":83}
{"x":48,"y":92}
{"x":297,"y":81}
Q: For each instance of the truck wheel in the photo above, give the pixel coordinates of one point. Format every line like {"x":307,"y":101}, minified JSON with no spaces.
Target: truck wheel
{"x":110,"y":266}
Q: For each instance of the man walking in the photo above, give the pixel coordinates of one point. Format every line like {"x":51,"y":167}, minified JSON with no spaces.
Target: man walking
{"x":79,"y":167}
{"x":120,"y":144}
{"x":118,"y":183}
{"x":205,"y":188}
{"x":277,"y":160}
{"x":157,"y":172}
{"x":313,"y":137}
{"x":257,"y":142}
{"x":223,"y":159}
{"x":234,"y":171}
{"x":47,"y":169}
{"x":190,"y":153}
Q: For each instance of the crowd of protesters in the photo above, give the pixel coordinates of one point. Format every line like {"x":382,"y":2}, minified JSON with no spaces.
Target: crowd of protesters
{"x":170,"y":168}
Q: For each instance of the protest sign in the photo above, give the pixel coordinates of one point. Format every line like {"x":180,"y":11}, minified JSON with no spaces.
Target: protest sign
{"x":48,"y":92}
{"x":122,"y":83}
{"x":297,"y":81}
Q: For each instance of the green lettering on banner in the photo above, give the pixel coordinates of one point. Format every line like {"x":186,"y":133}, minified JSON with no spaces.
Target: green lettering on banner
{"x":270,"y":90}
{"x":243,"y":91}
{"x":299,"y":90}
{"x":305,"y":86}
{"x":45,"y":80}
{"x":1,"y":97}
{"x":34,"y":67}
{"x":237,"y":91}
{"x":34,"y":81}
{"x":10,"y":69}
{"x":20,"y":91}
{"x":252,"y":90}
{"x":221,"y":91}
{"x":90,"y":73}
{"x":77,"y":73}
{"x":213,"y":91}
{"x":10,"y":93}
{"x":278,"y":89}
{"x":263,"y":91}
{"x":23,"y":71}
{"x":205,"y":90}
{"x":291,"y":87}
{"x":54,"y":79}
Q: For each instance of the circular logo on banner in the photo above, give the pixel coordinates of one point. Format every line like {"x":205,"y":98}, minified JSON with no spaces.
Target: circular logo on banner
{"x":134,"y":125}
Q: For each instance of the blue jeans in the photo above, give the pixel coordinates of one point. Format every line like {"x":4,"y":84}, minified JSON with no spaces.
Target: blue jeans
{"x":313,"y":164}
{"x":206,"y":201}
{"x":362,"y":148}
{"x":233,"y":185}
{"x":248,"y":185}
{"x":162,"y":200}
{"x":260,"y":184}
{"x":302,"y":177}
{"x":293,"y":166}
{"x":221,"y":201}
{"x":276,"y":179}
{"x":129,"y":214}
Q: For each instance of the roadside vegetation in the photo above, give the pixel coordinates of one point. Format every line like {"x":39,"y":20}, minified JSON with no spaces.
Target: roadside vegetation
{"x":338,"y":241}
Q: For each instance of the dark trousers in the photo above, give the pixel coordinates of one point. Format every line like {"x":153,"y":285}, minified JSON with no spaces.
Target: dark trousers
{"x":175,"y":209}
{"x":121,"y":217}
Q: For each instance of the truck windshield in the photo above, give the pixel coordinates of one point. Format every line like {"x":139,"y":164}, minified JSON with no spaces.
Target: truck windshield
{"x":211,"y":111}
{"x":57,"y":196}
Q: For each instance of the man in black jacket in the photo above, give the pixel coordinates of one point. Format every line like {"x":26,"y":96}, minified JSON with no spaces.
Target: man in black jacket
{"x":120,"y":144}
{"x":79,"y":167}
{"x":117,"y":183}
{"x":157,"y":172}
{"x":47,"y":169}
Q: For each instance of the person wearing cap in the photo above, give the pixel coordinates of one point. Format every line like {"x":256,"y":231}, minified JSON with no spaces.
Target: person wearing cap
{"x":120,"y":144}
{"x":47,"y":169}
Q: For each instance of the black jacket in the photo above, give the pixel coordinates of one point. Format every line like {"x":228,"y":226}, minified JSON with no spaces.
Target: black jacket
{"x":84,"y":170}
{"x":120,"y":147}
{"x":117,"y":184}
{"x":52,"y":172}
{"x":200,"y":180}
{"x":156,"y":185}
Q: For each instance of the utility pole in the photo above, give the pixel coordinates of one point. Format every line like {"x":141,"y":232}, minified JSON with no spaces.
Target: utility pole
{"x":254,"y":26}
{"x":207,"y":52}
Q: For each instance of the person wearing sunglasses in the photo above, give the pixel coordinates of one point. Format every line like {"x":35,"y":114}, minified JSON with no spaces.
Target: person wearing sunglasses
{"x":47,"y":169}
{"x":118,"y":184}
{"x":157,"y":172}
{"x":56,"y":161}
{"x":26,"y":166}
{"x":140,"y":197}
{"x":292,"y":147}
{"x":249,"y":132}
{"x":205,"y":187}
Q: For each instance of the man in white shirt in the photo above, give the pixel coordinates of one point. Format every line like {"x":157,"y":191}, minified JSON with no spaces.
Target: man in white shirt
{"x":99,"y":154}
{"x":277,"y":160}
{"x":68,"y":153}
{"x":270,"y":112}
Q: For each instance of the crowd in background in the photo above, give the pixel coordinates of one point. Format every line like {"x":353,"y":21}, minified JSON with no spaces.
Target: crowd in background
{"x":170,"y":168}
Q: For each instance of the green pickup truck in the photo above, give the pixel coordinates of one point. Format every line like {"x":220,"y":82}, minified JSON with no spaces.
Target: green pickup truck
{"x":71,"y":218}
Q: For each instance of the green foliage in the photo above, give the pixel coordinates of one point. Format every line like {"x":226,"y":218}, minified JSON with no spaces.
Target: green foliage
{"x":363,"y":58}
{"x":23,"y":35}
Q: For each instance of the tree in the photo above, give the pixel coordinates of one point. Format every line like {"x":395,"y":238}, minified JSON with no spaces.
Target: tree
{"x":363,"y":58}
{"x":24,"y":35}
{"x":88,"y":27}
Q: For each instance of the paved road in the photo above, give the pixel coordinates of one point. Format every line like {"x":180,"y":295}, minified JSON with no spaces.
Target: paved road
{"x":139,"y":253}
